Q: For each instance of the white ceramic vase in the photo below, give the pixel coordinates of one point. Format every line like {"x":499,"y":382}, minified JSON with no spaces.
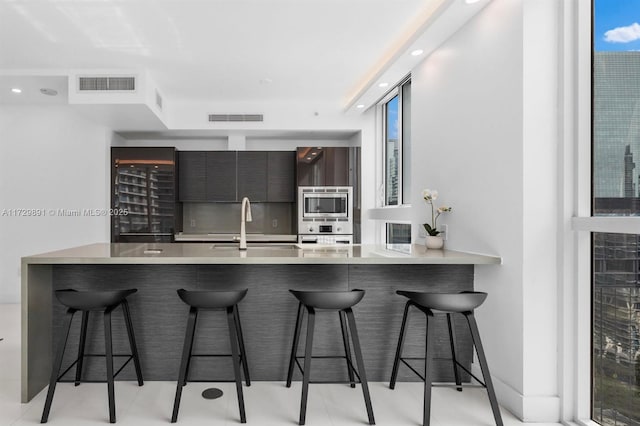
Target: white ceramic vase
{"x":434,"y":241}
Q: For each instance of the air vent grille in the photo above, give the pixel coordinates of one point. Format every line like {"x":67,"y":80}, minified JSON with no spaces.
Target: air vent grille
{"x":235,"y":117}
{"x":106,"y":84}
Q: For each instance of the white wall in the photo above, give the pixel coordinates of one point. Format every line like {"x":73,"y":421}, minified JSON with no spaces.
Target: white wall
{"x":50,"y":158}
{"x":484,"y":132}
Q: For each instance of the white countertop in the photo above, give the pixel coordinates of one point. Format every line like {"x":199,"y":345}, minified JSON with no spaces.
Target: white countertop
{"x":207,"y":253}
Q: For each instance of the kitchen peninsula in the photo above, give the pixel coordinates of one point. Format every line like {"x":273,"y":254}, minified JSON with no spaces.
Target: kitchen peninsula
{"x":268,"y":312}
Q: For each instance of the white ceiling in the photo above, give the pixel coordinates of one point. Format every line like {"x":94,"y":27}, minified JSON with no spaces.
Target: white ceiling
{"x":329,"y":51}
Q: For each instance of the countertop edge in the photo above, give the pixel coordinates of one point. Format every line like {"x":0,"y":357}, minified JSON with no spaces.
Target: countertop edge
{"x":370,"y":255}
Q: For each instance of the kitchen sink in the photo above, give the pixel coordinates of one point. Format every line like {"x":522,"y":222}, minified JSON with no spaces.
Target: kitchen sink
{"x":257,"y":246}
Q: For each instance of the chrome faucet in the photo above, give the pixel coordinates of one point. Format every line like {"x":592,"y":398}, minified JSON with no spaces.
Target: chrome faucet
{"x":245,"y":216}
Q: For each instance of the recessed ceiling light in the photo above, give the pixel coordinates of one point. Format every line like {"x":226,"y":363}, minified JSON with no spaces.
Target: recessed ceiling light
{"x":417,"y":52}
{"x":48,"y":92}
{"x":471,"y":1}
{"x":360,"y":106}
{"x":383,"y":84}
{"x":16,"y":90}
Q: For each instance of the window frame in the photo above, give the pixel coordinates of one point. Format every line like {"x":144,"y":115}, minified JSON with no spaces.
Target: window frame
{"x":382,"y":108}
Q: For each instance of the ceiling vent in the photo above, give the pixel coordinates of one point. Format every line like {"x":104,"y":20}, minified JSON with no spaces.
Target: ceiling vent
{"x":235,"y":117}
{"x":106,"y":84}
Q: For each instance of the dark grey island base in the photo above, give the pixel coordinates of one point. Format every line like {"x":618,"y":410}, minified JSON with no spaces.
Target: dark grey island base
{"x":268,"y":316}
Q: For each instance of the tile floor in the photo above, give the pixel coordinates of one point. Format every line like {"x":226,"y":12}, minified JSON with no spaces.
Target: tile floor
{"x":267,"y":403}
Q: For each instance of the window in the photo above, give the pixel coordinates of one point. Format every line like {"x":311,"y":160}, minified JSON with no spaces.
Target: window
{"x":396,"y":112}
{"x":398,"y":233}
{"x":615,"y":297}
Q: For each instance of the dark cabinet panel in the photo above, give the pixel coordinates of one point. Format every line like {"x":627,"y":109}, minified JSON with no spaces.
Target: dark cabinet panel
{"x":192,"y":175}
{"x":221,"y":177}
{"x":252,"y":175}
{"x":228,"y":176}
{"x":323,"y":166}
{"x":336,"y":166}
{"x":281,"y":176}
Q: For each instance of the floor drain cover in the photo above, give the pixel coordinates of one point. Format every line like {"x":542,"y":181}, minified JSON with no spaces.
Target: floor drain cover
{"x":211,"y":393}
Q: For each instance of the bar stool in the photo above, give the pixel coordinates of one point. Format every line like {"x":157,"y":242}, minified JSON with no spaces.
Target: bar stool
{"x":87,"y":301}
{"x":341,"y":301}
{"x":213,"y":300}
{"x":464,"y":303}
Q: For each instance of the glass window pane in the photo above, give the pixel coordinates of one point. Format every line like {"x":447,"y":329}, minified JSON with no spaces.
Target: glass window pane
{"x":391,"y":152}
{"x":406,"y":143}
{"x":616,"y":326}
{"x":616,"y":110}
{"x":398,"y":233}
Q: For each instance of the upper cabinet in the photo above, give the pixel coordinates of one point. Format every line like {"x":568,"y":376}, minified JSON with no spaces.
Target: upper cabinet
{"x":252,"y":175}
{"x":221,"y":179}
{"x":228,"y":176}
{"x":324,"y":166}
{"x":281,"y":176}
{"x":192,"y":173}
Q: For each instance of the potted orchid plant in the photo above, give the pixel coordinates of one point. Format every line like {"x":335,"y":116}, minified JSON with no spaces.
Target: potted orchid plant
{"x":433,"y":239}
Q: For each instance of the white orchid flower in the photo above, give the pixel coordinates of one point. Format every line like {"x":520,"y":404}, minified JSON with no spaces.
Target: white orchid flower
{"x":434,"y":194}
{"x":443,"y":209}
{"x":426,"y":194}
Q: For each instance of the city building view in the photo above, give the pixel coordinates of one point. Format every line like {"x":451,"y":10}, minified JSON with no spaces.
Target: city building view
{"x":616,"y":257}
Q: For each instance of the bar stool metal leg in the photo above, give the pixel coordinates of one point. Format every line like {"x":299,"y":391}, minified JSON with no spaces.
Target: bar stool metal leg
{"x":482,"y":359}
{"x":109,"y":359}
{"x":243,"y":353}
{"x":347,"y":348}
{"x":186,"y":352}
{"x":193,"y":339}
{"x":236,"y":359}
{"x":132,"y":341}
{"x":81,"y":346}
{"x":360,"y":361}
{"x":396,"y":360}
{"x":294,"y":346}
{"x":428,"y":369}
{"x":452,"y":341}
{"x":311,"y":319}
{"x":55,"y":370}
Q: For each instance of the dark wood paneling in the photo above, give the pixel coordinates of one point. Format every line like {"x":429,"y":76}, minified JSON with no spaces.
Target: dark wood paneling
{"x":268,"y":316}
{"x":252,"y":175}
{"x":336,"y":166}
{"x":281,"y":175}
{"x":221,"y":176}
{"x":191,"y":175}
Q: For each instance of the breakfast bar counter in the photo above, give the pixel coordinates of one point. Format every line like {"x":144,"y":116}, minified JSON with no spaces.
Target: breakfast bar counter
{"x":268,"y":311}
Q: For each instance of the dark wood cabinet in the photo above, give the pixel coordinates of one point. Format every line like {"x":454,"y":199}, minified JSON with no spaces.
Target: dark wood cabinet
{"x":323,"y":166}
{"x":228,"y":176}
{"x":252,"y":175}
{"x":221,"y":176}
{"x":192,"y":171}
{"x":281,"y":172}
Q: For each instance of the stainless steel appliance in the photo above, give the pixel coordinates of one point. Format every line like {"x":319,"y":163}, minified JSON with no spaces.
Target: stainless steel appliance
{"x":325,"y":215}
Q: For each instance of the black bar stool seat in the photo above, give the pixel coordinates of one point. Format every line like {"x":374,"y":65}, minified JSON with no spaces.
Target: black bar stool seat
{"x":448,"y":303}
{"x":213,"y":300}
{"x":341,"y":301}
{"x":334,"y":300}
{"x":85,"y":302}
{"x":92,"y":300}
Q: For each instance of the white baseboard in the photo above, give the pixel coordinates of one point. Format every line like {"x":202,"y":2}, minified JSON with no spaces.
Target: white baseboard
{"x":534,"y":409}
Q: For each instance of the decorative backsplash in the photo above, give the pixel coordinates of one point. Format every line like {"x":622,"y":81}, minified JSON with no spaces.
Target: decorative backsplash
{"x":223,"y":218}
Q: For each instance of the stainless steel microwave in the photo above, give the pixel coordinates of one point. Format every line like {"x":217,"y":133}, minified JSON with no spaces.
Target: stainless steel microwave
{"x":325,"y":202}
